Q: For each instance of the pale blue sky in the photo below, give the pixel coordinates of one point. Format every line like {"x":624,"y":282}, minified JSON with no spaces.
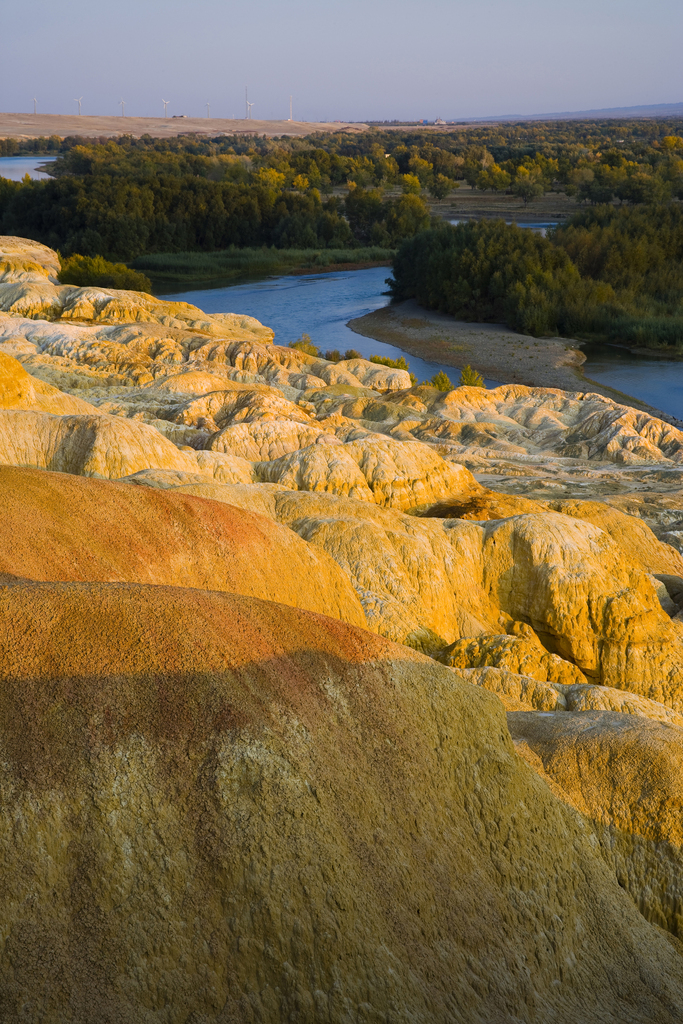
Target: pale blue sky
{"x":341,"y":59}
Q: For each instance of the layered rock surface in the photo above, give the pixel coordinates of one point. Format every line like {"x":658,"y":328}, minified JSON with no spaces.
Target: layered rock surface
{"x":278,"y":814}
{"x":224,"y":793}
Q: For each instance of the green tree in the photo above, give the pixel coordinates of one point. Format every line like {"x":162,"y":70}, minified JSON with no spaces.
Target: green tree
{"x":470,"y":378}
{"x":405,"y":217}
{"x":526,"y":188}
{"x":410,"y":185}
{"x":644,"y":188}
{"x":494,"y":178}
{"x":441,"y":186}
{"x":441,"y":381}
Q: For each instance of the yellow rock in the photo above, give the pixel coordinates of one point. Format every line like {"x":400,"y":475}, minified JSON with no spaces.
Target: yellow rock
{"x":521,"y":653}
{"x":18,"y":390}
{"x":633,"y":535}
{"x":623,"y":772}
{"x":59,"y":527}
{"x":232,"y":809}
{"x":586,"y":600}
{"x":525,"y":693}
{"x":319,"y":467}
{"x":22,"y":259}
{"x":89,"y":445}
{"x":265,"y":440}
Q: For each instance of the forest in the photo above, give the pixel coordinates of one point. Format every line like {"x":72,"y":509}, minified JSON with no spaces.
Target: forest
{"x":126,"y":198}
{"x":609,"y":273}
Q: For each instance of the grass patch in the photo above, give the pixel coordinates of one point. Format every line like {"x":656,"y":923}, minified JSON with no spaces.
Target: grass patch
{"x":182,"y":268}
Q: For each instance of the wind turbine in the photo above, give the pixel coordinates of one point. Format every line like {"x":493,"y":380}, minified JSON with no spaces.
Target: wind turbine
{"x":208,"y":109}
{"x":122,"y":104}
{"x":249,"y":106}
{"x":35,"y":105}
{"x":79,"y":104}
{"x":246,"y":100}
{"x":165,"y":103}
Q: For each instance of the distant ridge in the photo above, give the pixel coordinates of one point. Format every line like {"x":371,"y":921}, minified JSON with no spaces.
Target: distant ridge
{"x":653,"y":110}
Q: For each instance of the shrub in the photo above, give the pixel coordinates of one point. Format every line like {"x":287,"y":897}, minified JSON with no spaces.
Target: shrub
{"x":95,"y":271}
{"x":441,"y":381}
{"x":352,"y":354}
{"x":304,"y":344}
{"x":395,"y":364}
{"x":470,"y":378}
{"x":333,"y":355}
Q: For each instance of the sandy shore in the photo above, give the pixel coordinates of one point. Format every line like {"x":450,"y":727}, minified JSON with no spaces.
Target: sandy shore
{"x":493,"y":349}
{"x":33,"y":126}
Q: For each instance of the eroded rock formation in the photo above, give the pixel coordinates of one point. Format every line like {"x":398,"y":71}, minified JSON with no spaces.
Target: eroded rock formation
{"x":231,"y":789}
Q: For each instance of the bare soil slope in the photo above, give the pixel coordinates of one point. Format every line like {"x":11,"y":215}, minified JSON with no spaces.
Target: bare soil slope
{"x":33,"y":126}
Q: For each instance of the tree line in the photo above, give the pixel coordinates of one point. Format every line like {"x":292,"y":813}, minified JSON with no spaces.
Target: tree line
{"x":120,"y":204}
{"x":611,"y":273}
{"x":126,"y":197}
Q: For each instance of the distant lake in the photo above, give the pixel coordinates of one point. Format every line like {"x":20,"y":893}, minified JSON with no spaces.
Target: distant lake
{"x":15,"y":167}
{"x":319,"y":305}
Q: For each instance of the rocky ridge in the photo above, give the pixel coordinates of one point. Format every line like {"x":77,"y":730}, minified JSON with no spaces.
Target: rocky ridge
{"x":165,"y":475}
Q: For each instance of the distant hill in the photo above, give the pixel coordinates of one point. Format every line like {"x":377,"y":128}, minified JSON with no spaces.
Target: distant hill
{"x":653,"y":110}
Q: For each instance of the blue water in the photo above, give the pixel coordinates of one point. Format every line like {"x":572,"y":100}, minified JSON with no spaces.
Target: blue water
{"x":319,"y":305}
{"x":15,"y":167}
{"x":656,"y":381}
{"x":539,"y":226}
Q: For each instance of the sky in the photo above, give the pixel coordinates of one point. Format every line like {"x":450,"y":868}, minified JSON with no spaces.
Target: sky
{"x":350,"y":60}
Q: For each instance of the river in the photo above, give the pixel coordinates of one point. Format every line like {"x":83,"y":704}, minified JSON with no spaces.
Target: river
{"x":15,"y":167}
{"x":319,"y":305}
{"x":659,"y":382}
{"x":322,"y":304}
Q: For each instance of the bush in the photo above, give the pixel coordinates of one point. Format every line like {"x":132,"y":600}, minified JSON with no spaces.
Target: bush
{"x":304,"y":344}
{"x":97,"y":272}
{"x":470,"y":378}
{"x":395,"y":364}
{"x":333,"y":355}
{"x":351,"y":353}
{"x":441,"y":381}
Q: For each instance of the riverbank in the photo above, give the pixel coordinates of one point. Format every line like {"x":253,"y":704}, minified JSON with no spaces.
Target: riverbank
{"x":179,"y":270}
{"x":494,"y":350}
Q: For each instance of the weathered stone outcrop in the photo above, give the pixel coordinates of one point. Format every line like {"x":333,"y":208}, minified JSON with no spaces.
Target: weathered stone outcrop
{"x":216,"y":808}
{"x":208,"y":765}
{"x":623,"y":772}
{"x":19,"y":390}
{"x":521,"y":652}
{"x":56,"y":527}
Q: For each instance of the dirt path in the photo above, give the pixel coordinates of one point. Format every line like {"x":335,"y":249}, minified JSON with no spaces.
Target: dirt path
{"x":496,"y":351}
